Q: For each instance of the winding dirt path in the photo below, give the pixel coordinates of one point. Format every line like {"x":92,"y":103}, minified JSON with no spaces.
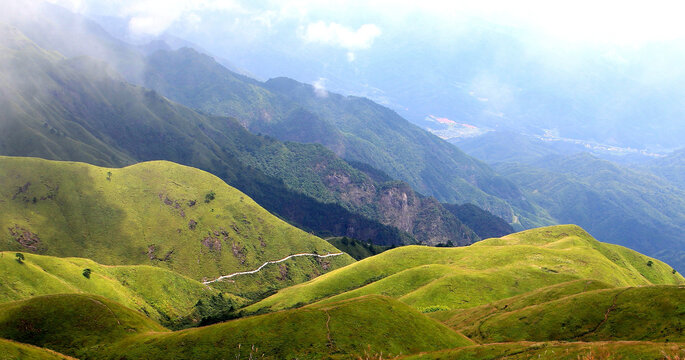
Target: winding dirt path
{"x":267,"y":263}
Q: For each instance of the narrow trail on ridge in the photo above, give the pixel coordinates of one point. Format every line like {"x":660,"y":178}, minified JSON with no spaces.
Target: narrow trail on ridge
{"x":267,"y":263}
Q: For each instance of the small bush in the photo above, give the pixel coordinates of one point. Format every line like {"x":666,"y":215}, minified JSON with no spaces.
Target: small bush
{"x":20,"y":258}
{"x":209,"y":196}
{"x":434,"y":308}
{"x":650,"y":263}
{"x":86,"y":273}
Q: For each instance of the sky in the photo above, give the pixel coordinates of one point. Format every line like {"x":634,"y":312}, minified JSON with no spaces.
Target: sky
{"x":354,"y":25}
{"x":407,"y":54}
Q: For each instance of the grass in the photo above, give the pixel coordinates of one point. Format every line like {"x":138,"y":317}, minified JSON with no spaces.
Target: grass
{"x":69,"y":323}
{"x":460,"y":318}
{"x":81,"y":325}
{"x":487,"y":271}
{"x":623,"y":350}
{"x":161,"y":294}
{"x":151,"y":213}
{"x":12,"y":350}
{"x":652,"y":313}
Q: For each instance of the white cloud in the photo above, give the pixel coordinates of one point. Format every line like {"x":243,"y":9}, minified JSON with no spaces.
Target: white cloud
{"x":339,"y":35}
{"x":153,"y":17}
{"x":320,"y":88}
{"x":351,"y":56}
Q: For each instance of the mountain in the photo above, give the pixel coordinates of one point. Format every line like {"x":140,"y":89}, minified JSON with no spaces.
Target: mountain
{"x":487,"y":271}
{"x":671,"y":167}
{"x":213,"y":89}
{"x":355,"y":248}
{"x":615,"y":203}
{"x":78,"y":109}
{"x":483,"y":223}
{"x":356,"y":129}
{"x":509,"y":146}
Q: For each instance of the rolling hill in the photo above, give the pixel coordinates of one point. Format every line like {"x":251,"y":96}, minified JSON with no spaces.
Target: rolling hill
{"x":96,"y":328}
{"x":163,"y":295}
{"x":651,"y":313}
{"x":70,"y":323}
{"x":12,"y":350}
{"x":490,"y":270}
{"x":155,"y":213}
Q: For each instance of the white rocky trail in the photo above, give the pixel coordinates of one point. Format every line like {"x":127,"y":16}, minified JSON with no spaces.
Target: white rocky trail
{"x":267,"y":263}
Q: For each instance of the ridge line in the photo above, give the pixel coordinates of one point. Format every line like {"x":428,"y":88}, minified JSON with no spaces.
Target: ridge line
{"x":267,"y":263}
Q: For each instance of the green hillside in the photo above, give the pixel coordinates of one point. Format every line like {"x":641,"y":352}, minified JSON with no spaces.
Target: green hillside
{"x":624,"y":350}
{"x":616,"y":204}
{"x":365,"y":326}
{"x":69,"y":323}
{"x":163,"y":295}
{"x":156,"y":213}
{"x":490,"y":270}
{"x":11,"y":350}
{"x":460,"y":318}
{"x":652,"y":313}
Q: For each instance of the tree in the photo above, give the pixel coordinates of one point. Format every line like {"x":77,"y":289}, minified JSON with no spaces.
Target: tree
{"x":20,"y":258}
{"x":650,"y":263}
{"x":86,"y":273}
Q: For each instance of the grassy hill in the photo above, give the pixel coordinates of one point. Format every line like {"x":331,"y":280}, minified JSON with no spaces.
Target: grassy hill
{"x":95,"y":328}
{"x":460,"y":318}
{"x":452,"y":278}
{"x":625,"y":350}
{"x":653,"y":313}
{"x":69,"y":323}
{"x":12,"y":350}
{"x":156,"y":213}
{"x":165,"y":296}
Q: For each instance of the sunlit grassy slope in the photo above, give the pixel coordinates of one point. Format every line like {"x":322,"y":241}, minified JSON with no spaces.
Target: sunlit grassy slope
{"x":623,"y":350}
{"x":460,"y":318}
{"x":651,"y":313}
{"x":69,"y":323}
{"x":370,"y":325}
{"x":11,"y":350}
{"x":490,"y":270}
{"x":155,"y":213}
{"x":161,"y":294}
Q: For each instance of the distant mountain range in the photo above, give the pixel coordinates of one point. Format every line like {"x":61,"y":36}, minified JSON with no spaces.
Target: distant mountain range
{"x":639,"y":204}
{"x":78,"y":109}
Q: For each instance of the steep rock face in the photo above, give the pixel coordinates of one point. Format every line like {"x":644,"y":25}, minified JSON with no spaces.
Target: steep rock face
{"x":396,"y":204}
